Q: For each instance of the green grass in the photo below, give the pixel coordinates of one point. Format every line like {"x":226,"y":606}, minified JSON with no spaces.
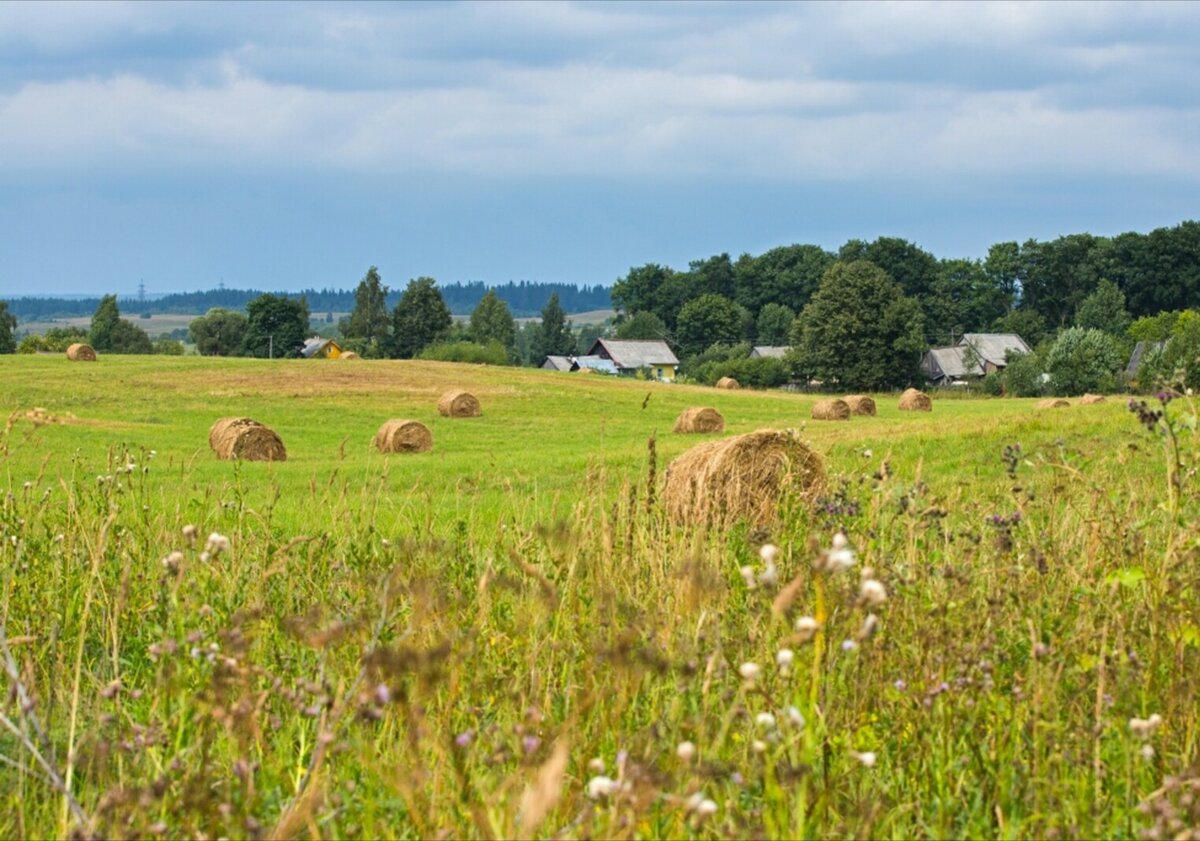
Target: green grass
{"x":401,"y":642}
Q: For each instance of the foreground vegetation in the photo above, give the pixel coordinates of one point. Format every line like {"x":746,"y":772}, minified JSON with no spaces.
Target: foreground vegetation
{"x":505,"y":638}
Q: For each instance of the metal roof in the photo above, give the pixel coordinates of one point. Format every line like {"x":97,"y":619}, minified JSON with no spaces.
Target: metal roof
{"x":992,"y":347}
{"x":947,"y":362}
{"x":313,"y":346}
{"x":596,"y":363}
{"x":1139,"y":350}
{"x":772,"y":351}
{"x":633,"y":354}
{"x":558,"y":363}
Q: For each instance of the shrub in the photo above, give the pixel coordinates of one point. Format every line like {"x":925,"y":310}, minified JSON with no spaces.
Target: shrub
{"x":1083,"y":360}
{"x":1023,"y":375}
{"x":492,"y":353}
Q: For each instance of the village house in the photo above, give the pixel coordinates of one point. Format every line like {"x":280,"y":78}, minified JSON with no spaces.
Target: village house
{"x":769,"y":351}
{"x":629,"y":357}
{"x":318,"y":348}
{"x":975,"y":355}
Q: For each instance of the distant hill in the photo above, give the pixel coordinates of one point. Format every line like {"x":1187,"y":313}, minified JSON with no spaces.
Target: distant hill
{"x":524,"y":299}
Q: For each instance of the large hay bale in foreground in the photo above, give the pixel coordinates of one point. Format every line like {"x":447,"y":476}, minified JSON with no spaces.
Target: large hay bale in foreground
{"x":245,"y":439}
{"x":1089,"y":399}
{"x":403,"y":436}
{"x":79,"y":352}
{"x":459,"y":404}
{"x":740,"y":477}
{"x":860,"y":404}
{"x":700,"y":419}
{"x":834,"y":409}
{"x":349,"y":355}
{"x":915,"y":401}
{"x":1053,"y":403}
{"x":728,"y":382}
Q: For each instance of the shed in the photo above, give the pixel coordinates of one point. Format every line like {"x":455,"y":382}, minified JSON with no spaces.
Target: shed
{"x":318,"y":348}
{"x":558,"y":363}
{"x":769,"y":351}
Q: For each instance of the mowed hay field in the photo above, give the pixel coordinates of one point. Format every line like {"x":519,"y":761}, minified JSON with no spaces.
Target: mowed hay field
{"x":506,"y":636}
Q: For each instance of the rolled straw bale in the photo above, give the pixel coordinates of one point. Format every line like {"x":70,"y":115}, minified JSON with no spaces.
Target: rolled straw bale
{"x":1053,"y":403}
{"x":860,"y":404}
{"x":740,"y":477}
{"x":79,"y":352}
{"x":728,"y":382}
{"x":349,"y":355}
{"x":459,"y":404}
{"x":915,"y":401}
{"x":831,"y":410}
{"x":700,"y":419}
{"x":1089,"y":399}
{"x":245,"y":439}
{"x":403,"y":436}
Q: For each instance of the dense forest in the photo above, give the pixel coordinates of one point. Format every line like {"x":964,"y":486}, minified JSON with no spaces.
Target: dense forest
{"x":524,"y":299}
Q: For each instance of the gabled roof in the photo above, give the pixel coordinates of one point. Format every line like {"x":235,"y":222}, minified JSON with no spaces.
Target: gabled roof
{"x":558,"y":363}
{"x":1139,"y":350}
{"x":992,"y":347}
{"x":315,"y":345}
{"x":947,"y":362}
{"x":772,"y":351}
{"x":629,"y":355}
{"x":596,"y":363}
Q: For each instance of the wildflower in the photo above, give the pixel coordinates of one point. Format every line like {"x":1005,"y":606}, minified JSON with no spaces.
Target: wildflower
{"x":769,"y":553}
{"x":806,"y":627}
{"x":464,"y":738}
{"x":28,"y":485}
{"x":386,"y":543}
{"x":596,"y":765}
{"x":840,"y":558}
{"x":1144,"y":727}
{"x":795,"y":718}
{"x":748,"y":577}
{"x":765,"y":721}
{"x":840,"y":541}
{"x":749,"y":671}
{"x":599,"y":787}
{"x":705,"y":808}
{"x":529,"y":744}
{"x":872,"y":592}
{"x":900,"y":685}
{"x":382,"y":694}
{"x":758,"y":746}
{"x":217,"y":543}
{"x":685,"y":751}
{"x":189,"y":533}
{"x":849,"y":645}
{"x":869,"y":626}
{"x":1147,"y":752}
{"x":867,"y":758}
{"x":867,"y":454}
{"x":769,"y":577}
{"x":172,"y":561}
{"x":784,"y":658}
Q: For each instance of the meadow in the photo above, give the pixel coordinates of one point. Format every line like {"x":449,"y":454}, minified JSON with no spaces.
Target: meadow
{"x":505,"y":637}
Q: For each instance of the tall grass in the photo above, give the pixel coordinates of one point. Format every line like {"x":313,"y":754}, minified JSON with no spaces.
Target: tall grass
{"x":1003,"y":642}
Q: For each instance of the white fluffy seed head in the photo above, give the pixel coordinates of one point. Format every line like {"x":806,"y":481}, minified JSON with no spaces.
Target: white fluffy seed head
{"x":784,"y":657}
{"x":873,"y":592}
{"x":769,"y":553}
{"x":840,"y":541}
{"x":686,"y":751}
{"x":806,"y":627}
{"x":706,"y":808}
{"x":867,"y":758}
{"x":795,"y":717}
{"x":758,"y":746}
{"x":599,"y":787}
{"x":765,"y":721}
{"x":839,"y":560}
{"x":749,"y":670}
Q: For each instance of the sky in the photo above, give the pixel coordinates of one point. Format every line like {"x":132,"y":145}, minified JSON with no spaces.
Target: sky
{"x":283,"y":146}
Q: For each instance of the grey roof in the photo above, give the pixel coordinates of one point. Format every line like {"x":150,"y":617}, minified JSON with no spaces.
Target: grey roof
{"x":558,"y":363}
{"x":993,"y":347}
{"x":628,"y":355}
{"x":947,"y":363}
{"x":313,"y":346}
{"x":772,"y":351}
{"x":596,"y":363}
{"x":1135,"y":358}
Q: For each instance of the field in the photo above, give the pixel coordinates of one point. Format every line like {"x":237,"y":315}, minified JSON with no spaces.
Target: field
{"x":505,"y":637}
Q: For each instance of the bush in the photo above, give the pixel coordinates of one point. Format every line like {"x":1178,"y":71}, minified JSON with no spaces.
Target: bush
{"x":492,"y":353}
{"x":992,"y":383}
{"x":1083,"y":360}
{"x":168,"y":347}
{"x":1023,"y":375}
{"x":760,"y":372}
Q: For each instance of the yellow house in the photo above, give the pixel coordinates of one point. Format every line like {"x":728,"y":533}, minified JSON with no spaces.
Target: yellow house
{"x":318,"y":348}
{"x":629,"y":357}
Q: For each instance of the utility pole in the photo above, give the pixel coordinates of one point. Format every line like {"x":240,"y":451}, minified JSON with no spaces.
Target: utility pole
{"x":271,"y":346}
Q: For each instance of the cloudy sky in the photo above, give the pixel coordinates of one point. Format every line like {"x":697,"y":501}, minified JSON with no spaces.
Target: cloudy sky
{"x":284,"y":146}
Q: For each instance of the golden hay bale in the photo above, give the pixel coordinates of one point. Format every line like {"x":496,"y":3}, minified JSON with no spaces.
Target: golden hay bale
{"x":728,"y":382}
{"x":1089,"y":399}
{"x":403,"y":436}
{"x":349,"y":355}
{"x":79,"y":352}
{"x":860,"y":404}
{"x":459,"y":404}
{"x":1053,"y":403}
{"x":245,"y":439}
{"x":740,"y":477}
{"x":831,"y":410}
{"x":915,"y":401}
{"x":700,"y":419}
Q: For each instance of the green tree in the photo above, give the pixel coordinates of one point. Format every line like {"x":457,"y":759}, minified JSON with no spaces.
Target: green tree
{"x":370,"y":320}
{"x":859,"y":330}
{"x":276,"y":326}
{"x":491,"y":321}
{"x":774,"y":324}
{"x":8,"y":326}
{"x":1154,"y":328}
{"x":554,"y":336}
{"x":1027,"y":324}
{"x":112,"y":334}
{"x":420,"y":319}
{"x":55,"y":339}
{"x":168,"y":347}
{"x":1104,"y":310}
{"x":710,"y":319}
{"x":1023,"y":375}
{"x":788,"y":275}
{"x":220,"y":332}
{"x":642,"y":325}
{"x":1082,"y":360}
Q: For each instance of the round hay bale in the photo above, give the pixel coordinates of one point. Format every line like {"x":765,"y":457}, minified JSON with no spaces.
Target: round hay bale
{"x":349,"y":355}
{"x":79,"y":352}
{"x":831,"y":410}
{"x":1053,"y":403}
{"x":860,"y":404}
{"x":915,"y":401}
{"x":245,"y":439}
{"x":403,"y":436}
{"x":740,"y":477}
{"x":700,"y":419}
{"x":728,"y":382}
{"x":1089,"y":399}
{"x":459,"y":404}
